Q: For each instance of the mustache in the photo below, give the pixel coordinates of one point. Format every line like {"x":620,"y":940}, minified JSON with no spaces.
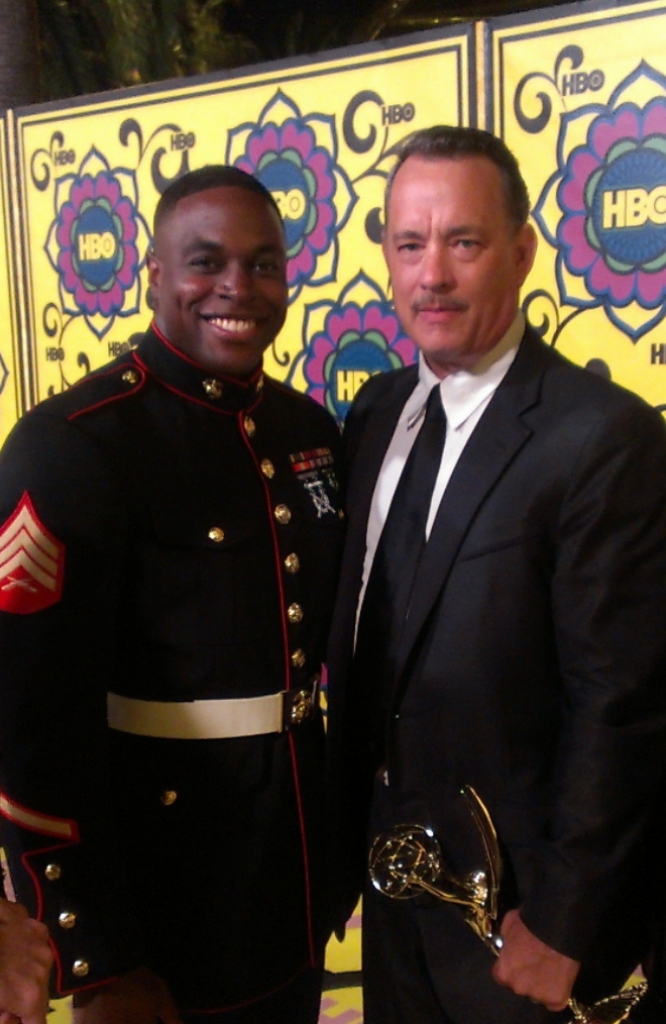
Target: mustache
{"x":433,"y":303}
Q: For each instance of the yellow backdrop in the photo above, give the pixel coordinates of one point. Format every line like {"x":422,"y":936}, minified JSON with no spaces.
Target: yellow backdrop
{"x":320,"y":135}
{"x":581,"y":100}
{"x":578,"y":93}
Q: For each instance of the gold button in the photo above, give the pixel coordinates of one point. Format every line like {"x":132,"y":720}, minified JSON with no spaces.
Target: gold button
{"x":249,"y":425}
{"x":168,"y":797}
{"x":283,"y":514}
{"x":216,"y":534}
{"x":80,"y":968}
{"x":298,"y":658}
{"x":67,"y":919}
{"x":53,"y":872}
{"x":292,"y":563}
{"x":213,"y":388}
{"x":341,"y":513}
{"x":294,"y":613}
{"x":260,"y":383}
{"x":130,"y":376}
{"x":267,"y":468}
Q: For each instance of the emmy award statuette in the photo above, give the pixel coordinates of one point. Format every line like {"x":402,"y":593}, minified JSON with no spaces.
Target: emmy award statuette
{"x":407,"y":860}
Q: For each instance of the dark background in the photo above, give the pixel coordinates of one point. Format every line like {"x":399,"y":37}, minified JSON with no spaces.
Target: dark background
{"x":53,"y":49}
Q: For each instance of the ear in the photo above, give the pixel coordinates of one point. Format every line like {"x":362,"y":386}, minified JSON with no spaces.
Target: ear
{"x":154,"y":269}
{"x":525,"y":249}
{"x":385,"y":238}
{"x":154,"y":276}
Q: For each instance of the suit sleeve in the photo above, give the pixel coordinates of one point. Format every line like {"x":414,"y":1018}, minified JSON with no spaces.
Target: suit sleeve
{"x":609,"y":612}
{"x":62,"y":558}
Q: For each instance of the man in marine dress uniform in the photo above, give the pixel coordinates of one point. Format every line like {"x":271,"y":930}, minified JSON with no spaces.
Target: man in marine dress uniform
{"x":517,"y":645}
{"x":167,"y":566}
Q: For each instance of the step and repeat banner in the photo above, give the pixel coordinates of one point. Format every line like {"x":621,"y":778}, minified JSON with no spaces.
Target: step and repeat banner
{"x":11,"y":398}
{"x":321,"y":137}
{"x":579,"y":94}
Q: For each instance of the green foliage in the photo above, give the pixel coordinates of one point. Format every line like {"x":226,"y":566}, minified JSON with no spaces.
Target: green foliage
{"x":93,"y":45}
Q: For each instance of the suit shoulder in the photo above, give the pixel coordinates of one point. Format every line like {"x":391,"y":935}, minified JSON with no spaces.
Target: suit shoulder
{"x":568,"y":388}
{"x":585,"y":386}
{"x":382,"y":386}
{"x":388,"y":388}
{"x":384,"y":383}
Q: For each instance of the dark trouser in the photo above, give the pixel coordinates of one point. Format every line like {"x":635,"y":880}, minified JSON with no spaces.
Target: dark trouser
{"x":296,"y":1003}
{"x":422,"y":964}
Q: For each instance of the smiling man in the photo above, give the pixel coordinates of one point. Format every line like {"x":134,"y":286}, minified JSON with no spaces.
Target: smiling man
{"x":500,"y":618}
{"x":171,"y":533}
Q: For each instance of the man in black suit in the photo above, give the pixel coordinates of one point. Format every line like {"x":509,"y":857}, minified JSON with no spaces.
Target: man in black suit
{"x":520,"y":648}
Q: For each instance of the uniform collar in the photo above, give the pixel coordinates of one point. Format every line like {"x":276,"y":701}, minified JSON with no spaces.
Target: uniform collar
{"x":187,"y":378}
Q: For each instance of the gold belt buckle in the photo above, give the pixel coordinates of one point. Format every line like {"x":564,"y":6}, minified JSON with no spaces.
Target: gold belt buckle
{"x":298,"y":707}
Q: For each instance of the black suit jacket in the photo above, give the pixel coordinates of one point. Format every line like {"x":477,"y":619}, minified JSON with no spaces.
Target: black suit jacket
{"x":531,"y":665}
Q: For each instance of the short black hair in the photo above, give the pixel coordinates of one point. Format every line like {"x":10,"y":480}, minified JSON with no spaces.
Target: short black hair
{"x":446,"y":142}
{"x":210,"y":176}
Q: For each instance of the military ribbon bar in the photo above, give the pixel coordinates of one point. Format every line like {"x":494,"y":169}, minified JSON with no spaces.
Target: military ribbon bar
{"x":301,"y":462}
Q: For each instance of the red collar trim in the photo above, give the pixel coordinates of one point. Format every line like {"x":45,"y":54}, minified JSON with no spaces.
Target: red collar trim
{"x":219,"y":376}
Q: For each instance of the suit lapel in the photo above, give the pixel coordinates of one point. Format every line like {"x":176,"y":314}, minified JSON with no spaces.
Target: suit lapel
{"x":366,"y":454}
{"x":497,"y":439}
{"x":376,"y":438}
{"x":366,"y":461}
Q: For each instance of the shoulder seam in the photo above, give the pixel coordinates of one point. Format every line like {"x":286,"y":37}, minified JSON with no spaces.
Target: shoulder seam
{"x":113,"y":398}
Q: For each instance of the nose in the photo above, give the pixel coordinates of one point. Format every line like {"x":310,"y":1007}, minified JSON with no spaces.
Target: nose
{"x":437,"y":269}
{"x":234,"y":280}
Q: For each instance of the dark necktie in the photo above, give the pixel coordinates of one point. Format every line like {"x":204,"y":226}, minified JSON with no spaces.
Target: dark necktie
{"x":388,"y":593}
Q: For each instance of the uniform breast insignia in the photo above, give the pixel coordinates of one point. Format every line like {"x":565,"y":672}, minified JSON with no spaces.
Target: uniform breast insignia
{"x":32,"y":562}
{"x":315,"y":471}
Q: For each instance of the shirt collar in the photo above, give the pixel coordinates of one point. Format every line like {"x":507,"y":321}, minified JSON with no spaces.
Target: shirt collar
{"x":464,"y":391}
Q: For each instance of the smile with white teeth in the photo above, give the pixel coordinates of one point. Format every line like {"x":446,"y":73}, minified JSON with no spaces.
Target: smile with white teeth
{"x":232,"y":324}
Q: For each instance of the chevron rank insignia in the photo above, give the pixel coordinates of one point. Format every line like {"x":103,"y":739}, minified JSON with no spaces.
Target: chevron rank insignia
{"x":32,"y":562}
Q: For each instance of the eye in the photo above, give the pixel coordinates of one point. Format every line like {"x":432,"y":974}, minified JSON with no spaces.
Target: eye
{"x":203,"y":262}
{"x":409,"y":248}
{"x":466,"y":248}
{"x":269,"y":266}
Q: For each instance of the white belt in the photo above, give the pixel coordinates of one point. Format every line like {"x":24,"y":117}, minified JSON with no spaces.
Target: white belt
{"x":209,"y":719}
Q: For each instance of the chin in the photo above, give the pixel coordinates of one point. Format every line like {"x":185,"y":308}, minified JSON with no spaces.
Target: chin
{"x":238,"y":366}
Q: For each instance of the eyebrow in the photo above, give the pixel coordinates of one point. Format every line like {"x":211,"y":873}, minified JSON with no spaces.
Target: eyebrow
{"x":410,"y":235}
{"x":197,"y":244}
{"x":208,"y":245}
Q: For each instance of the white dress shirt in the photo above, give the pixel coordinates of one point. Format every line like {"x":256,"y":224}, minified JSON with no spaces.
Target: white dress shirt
{"x":465,"y":397}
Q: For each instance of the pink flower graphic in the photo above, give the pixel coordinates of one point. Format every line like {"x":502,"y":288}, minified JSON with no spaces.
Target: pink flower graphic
{"x":295,"y":157}
{"x":93,"y":243}
{"x":611,"y":196}
{"x":97,"y":203}
{"x":360,"y":337}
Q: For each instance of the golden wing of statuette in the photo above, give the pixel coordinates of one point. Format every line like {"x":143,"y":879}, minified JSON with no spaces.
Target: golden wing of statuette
{"x":611,"y":1010}
{"x":486,"y":829}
